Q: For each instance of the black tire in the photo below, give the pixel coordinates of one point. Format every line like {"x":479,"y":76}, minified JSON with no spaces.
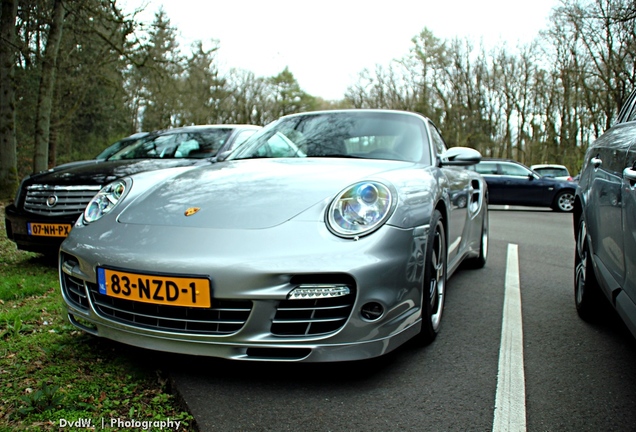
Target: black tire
{"x":480,"y":261}
{"x":434,"y":289}
{"x":564,"y":201}
{"x":588,"y":298}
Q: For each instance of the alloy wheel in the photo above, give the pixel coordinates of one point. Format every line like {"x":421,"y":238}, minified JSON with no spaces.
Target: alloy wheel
{"x":580,"y":265}
{"x":566,"y":202}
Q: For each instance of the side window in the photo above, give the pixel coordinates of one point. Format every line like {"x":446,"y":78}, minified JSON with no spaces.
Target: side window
{"x":628,"y":111}
{"x":241,"y":138}
{"x":514,"y":170}
{"x":486,"y":168}
{"x":279,"y":146}
{"x":632,"y":113}
{"x":438,"y":141}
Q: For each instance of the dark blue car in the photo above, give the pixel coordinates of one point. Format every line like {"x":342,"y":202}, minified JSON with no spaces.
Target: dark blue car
{"x":512,"y":183}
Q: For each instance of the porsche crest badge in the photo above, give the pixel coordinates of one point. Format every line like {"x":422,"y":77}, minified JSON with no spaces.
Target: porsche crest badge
{"x":191,"y":211}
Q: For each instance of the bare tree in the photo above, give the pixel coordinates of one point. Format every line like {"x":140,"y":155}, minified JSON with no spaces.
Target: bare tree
{"x":8,"y":155}
{"x":47,"y":85}
{"x":247,"y":99}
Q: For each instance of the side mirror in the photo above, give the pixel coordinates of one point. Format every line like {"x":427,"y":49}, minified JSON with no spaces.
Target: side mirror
{"x":460,"y":156}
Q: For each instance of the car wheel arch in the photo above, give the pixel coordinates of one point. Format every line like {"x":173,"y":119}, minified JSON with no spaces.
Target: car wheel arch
{"x":590,"y":298}
{"x":577,"y":211}
{"x":443,"y":208}
{"x":431,"y":317}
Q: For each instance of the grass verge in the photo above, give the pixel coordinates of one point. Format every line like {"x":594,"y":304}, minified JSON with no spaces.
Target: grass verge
{"x":55,"y":377}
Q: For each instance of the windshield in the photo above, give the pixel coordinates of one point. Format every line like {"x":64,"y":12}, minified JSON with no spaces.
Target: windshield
{"x":114,"y":148}
{"x":363,"y":134}
{"x":553,"y":172}
{"x":192,"y":144}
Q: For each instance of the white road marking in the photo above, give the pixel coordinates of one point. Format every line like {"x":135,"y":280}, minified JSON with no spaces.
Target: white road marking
{"x":510,"y":401}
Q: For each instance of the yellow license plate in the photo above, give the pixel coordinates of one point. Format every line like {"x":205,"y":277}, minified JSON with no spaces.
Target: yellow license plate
{"x":48,"y":229}
{"x":164,"y":290}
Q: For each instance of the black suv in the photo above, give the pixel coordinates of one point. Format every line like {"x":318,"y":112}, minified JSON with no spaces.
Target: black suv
{"x":49,"y":202}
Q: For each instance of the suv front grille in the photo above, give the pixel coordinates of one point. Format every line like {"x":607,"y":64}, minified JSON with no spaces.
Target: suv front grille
{"x":225,"y":317}
{"x":47,"y":200}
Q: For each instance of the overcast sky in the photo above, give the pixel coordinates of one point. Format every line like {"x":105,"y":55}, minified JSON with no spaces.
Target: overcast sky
{"x":326,"y":44}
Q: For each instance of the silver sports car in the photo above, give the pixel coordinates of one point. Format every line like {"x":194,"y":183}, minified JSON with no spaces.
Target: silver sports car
{"x":328,"y":236}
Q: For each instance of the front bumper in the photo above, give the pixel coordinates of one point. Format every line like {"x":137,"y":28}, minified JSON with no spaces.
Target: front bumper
{"x":16,"y":225}
{"x":253,"y":271}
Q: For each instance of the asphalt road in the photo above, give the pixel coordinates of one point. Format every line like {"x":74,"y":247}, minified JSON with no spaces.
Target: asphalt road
{"x":573,"y":376}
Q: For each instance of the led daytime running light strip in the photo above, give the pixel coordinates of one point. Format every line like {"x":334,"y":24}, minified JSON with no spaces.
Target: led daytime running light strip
{"x":303,"y":292}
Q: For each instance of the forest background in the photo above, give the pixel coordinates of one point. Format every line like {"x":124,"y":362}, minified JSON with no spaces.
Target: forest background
{"x":75,"y":76}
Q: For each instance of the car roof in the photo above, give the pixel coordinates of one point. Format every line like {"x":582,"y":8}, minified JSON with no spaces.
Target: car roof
{"x":357,"y":110}
{"x":548,"y":166}
{"x":194,"y":128}
{"x":486,"y":159}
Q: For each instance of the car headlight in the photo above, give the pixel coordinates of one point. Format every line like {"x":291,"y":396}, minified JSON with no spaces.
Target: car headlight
{"x":105,"y":200}
{"x":359,"y":209}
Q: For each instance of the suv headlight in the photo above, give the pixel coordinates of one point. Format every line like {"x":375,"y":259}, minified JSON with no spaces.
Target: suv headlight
{"x":105,"y":200}
{"x":360,"y":209}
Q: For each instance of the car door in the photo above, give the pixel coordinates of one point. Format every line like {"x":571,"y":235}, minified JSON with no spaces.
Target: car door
{"x":521,"y":186}
{"x":629,"y":222}
{"x":605,"y":207}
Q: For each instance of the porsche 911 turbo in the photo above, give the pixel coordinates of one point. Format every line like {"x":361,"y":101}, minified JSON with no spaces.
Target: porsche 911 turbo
{"x":328,"y":236}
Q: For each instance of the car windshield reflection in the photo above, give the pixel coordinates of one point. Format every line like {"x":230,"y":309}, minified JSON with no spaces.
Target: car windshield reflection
{"x":197,"y":145}
{"x":366,"y":135}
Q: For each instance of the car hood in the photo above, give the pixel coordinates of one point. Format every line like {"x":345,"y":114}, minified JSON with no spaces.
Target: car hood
{"x":99,"y":172}
{"x":249,"y":194}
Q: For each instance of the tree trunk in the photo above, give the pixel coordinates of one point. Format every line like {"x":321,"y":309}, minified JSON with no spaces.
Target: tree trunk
{"x":53,"y":146}
{"x":45,"y":94}
{"x":8,"y":155}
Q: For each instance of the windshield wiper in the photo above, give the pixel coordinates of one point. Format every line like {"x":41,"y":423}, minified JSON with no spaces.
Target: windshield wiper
{"x":339,"y":155}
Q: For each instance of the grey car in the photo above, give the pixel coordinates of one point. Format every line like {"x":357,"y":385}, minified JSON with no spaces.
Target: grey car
{"x":328,"y":236}
{"x":605,"y":223}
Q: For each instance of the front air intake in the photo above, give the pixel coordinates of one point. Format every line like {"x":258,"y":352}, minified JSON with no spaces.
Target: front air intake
{"x":318,"y":306}
{"x":278,"y":353}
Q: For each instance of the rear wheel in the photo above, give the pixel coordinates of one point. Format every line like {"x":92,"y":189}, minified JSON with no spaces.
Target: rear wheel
{"x":434,"y":289}
{"x":587,"y":293}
